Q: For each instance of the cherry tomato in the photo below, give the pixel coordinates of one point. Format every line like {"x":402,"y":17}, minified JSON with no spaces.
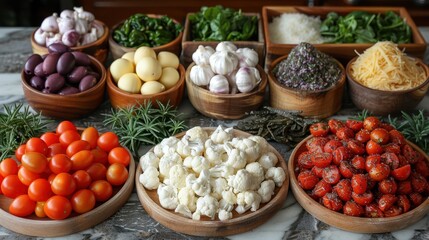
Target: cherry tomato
{"x":393,"y":211}
{"x":355,"y":125}
{"x":371,"y":161}
{"x":63,"y":184}
{"x":404,"y":203}
{"x":40,"y":190}
{"x":397,"y":137}
{"x":321,"y":159}
{"x":82,"y":179}
{"x":317,"y":171}
{"x":363,"y":199}
{"x":107,"y":141}
{"x":344,"y":189}
{"x":100,"y":156}
{"x":380,"y":136}
{"x":404,"y":187}
{"x":90,"y":134}
{"x":83,"y":201}
{"x":331,"y":174}
{"x":77,"y":146}
{"x":422,"y":168}
{"x":363,"y":136}
{"x":36,"y":145}
{"x":356,"y":147}
{"x":34,"y":162}
{"x":379,"y":172}
{"x":392,"y":148}
{"x":97,"y":171}
{"x":373,"y":148}
{"x":345,"y":133}
{"x":119,"y":155}
{"x":346,"y":169}
{"x":416,"y":199}
{"x":117,"y":174}
{"x":26,"y":176}
{"x":20,"y":151}
{"x":22,"y":206}
{"x":390,"y":159}
{"x":60,"y":163}
{"x":335,"y":124}
{"x":12,"y":187}
{"x":319,"y":129}
{"x":102,"y":190}
{"x":386,"y":126}
{"x":57,"y":207}
{"x":418,"y":182}
{"x":8,"y":167}
{"x":65,"y":126}
{"x":410,"y":154}
{"x":321,"y":188}
{"x":388,"y":186}
{"x":386,"y":201}
{"x":358,"y":162}
{"x":1,"y":180}
{"x":353,"y":209}
{"x":39,"y":211}
{"x":340,"y":154}
{"x":332,"y":201}
{"x":56,"y":148}
{"x":371,"y":123}
{"x":82,"y":160}
{"x":316,"y":144}
{"x":307,"y":180}
{"x":331,"y":145}
{"x":50,"y":138}
{"x":372,"y":211}
{"x":304,"y":160}
{"x":359,"y":183}
{"x":69,"y":136}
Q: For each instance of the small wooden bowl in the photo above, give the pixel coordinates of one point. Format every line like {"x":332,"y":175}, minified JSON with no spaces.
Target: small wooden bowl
{"x":98,"y":49}
{"x":316,"y":104}
{"x":349,"y":223}
{"x":45,"y":227}
{"x":381,"y":102}
{"x":68,"y":106}
{"x":225,"y":106}
{"x":215,"y":228}
{"x":118,"y":50}
{"x":121,"y":99}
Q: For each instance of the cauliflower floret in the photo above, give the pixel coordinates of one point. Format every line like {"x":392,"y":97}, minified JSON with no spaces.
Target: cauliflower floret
{"x":257,"y":172}
{"x":166,"y":162}
{"x":221,"y":171}
{"x":262,"y":142}
{"x":215,"y":153}
{"x":197,"y":133}
{"x":149,"y":178}
{"x":186,"y":148}
{"x":177,"y":176}
{"x":266,"y":190}
{"x":167,"y":196}
{"x":220,"y":135}
{"x":277,"y":174}
{"x":268,"y":160}
{"x":166,"y":146}
{"x":200,"y":163}
{"x":229,"y":199}
{"x":224,"y":215}
{"x":200,"y":185}
{"x":251,"y":149}
{"x":183,"y":210}
{"x":187,"y":162}
{"x":236,"y":157}
{"x":218,"y":185}
{"x":149,"y":159}
{"x":248,"y":200}
{"x":206,"y":206}
{"x":242,"y":181}
{"x":187,"y":197}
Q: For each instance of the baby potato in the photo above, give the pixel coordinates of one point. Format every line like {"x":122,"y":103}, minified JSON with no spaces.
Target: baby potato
{"x":168,"y":59}
{"x":152,"y":87}
{"x":148,"y":69}
{"x":119,"y":67}
{"x":170,"y":77}
{"x":129,"y":56}
{"x":142,"y":52}
{"x":130,"y":82}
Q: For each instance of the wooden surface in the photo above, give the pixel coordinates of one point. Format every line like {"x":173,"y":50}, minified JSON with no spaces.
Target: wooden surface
{"x":225,"y":106}
{"x":386,"y":102}
{"x":348,"y":223}
{"x":317,"y":104}
{"x":45,"y":227}
{"x":342,"y":52}
{"x":206,"y":227}
{"x":67,"y":106}
{"x":119,"y":98}
{"x":98,"y":49}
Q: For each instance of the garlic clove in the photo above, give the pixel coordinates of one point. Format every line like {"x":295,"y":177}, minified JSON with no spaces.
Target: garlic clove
{"x":50,"y":24}
{"x":247,"y":78}
{"x":247,"y":57}
{"x":202,"y":54}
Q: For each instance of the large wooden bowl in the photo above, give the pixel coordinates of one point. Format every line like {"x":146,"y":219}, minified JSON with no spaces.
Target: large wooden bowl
{"x":67,"y":106}
{"x":225,"y":106}
{"x":118,"y":50}
{"x":381,"y":102}
{"x":45,"y":227}
{"x":316,"y":104}
{"x":206,"y":227}
{"x":349,"y":223}
{"x":98,"y":49}
{"x":121,"y":99}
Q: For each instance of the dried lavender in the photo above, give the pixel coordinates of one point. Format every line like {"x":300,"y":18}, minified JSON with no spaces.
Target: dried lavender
{"x":306,"y":68}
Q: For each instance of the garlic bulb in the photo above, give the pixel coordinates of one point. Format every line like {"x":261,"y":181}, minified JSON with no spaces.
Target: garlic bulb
{"x":99,"y":27}
{"x":65,"y":24}
{"x":50,"y":24}
{"x":223,"y":62}
{"x":247,"y":78}
{"x":40,"y":37}
{"x":90,"y":37}
{"x":81,"y":26}
{"x":227,"y":46}
{"x":81,"y":14}
{"x":232,"y":81}
{"x":247,"y":57}
{"x":67,"y":14}
{"x":219,"y":84}
{"x":202,"y":54}
{"x":201,"y":74}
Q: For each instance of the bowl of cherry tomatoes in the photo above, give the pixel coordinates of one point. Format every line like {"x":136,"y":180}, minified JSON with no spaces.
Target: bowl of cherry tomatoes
{"x":360,"y":176}
{"x":64,"y":181}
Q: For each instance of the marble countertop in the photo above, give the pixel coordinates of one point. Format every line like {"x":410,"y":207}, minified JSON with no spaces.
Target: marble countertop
{"x":132,"y":221}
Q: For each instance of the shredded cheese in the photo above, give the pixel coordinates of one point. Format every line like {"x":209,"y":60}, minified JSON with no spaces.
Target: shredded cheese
{"x":385,"y":67}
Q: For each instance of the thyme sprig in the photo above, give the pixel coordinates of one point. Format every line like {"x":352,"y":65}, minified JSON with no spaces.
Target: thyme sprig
{"x":144,"y":124}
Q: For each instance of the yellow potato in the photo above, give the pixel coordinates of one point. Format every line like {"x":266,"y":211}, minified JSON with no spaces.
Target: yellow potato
{"x":168,"y":59}
{"x":119,"y":67}
{"x":152,"y":87}
{"x":130,"y":82}
{"x":142,"y":52}
{"x":170,"y":77}
{"x":129,"y":56}
{"x":148,"y":69}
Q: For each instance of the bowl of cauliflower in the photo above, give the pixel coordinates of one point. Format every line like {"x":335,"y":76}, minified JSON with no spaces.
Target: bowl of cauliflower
{"x":212,"y":181}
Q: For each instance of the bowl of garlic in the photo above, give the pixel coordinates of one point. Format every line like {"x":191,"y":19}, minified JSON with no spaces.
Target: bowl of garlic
{"x":225,"y":82}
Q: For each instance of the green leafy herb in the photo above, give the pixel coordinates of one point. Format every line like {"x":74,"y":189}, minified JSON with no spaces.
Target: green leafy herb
{"x":144,"y":124}
{"x":17,"y":125}
{"x":365,"y":27}
{"x":222,"y":24}
{"x":142,"y":30}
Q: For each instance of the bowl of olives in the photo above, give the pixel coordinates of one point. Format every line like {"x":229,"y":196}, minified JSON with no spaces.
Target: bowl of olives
{"x":63,"y":84}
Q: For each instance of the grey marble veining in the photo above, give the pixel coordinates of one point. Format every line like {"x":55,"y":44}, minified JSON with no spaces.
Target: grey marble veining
{"x":132,"y":221}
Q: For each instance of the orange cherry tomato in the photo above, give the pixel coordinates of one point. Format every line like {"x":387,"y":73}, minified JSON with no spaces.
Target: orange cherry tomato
{"x":39,"y":211}
{"x":8,"y":167}
{"x":57,"y":207}
{"x":117,"y":174}
{"x":60,"y":163}
{"x":90,"y":134}
{"x":83,"y":201}
{"x":64,"y":126}
{"x":82,"y":179}
{"x":77,"y":146}
{"x":82,"y":160}
{"x":69,"y":136}
{"x":102,"y":190}
{"x":50,"y":138}
{"x":22,"y":206}
{"x":63,"y":184}
{"x":119,"y":155}
{"x":20,"y":151}
{"x":107,"y":141}
{"x":40,"y":190}
{"x":34,"y":161}
{"x":26,"y":176}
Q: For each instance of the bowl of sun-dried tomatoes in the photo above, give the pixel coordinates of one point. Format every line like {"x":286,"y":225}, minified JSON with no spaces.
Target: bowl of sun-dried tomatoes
{"x":360,"y":176}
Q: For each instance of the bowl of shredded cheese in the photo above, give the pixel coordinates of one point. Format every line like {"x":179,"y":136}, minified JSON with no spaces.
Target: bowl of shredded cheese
{"x":384,"y":80}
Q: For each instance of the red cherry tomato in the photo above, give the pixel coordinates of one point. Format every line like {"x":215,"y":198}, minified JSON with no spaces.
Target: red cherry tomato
{"x":371,"y":123}
{"x":363,"y":136}
{"x":12,"y":187}
{"x":57,"y":207}
{"x":304,"y":160}
{"x":97,"y":171}
{"x":321,"y":159}
{"x":379,"y":172}
{"x":373,"y":148}
{"x":117,"y":174}
{"x":320,"y":129}
{"x":380,"y":136}
{"x":77,"y":146}
{"x":100,"y":156}
{"x":83,"y":201}
{"x":63,"y":184}
{"x":351,"y":208}
{"x":344,"y":189}
{"x":359,"y":183}
{"x":307,"y":180}
{"x":355,"y":125}
{"x":36,"y":145}
{"x":34,"y":162}
{"x":69,"y":136}
{"x":388,"y":186}
{"x":331,"y":174}
{"x":404,"y":203}
{"x":82,"y":160}
{"x":119,"y":155}
{"x":386,"y":201}
{"x":340,"y":154}
{"x":50,"y":138}
{"x":397,"y":137}
{"x":8,"y":167}
{"x":331,"y":145}
{"x":345,"y":133}
{"x":20,"y":151}
{"x":65,"y":126}
{"x":22,"y":206}
{"x":82,"y":179}
{"x":372,"y":211}
{"x":60,"y":163}
{"x":363,"y":199}
{"x":107,"y":141}
{"x":321,"y":189}
{"x":332,"y":201}
{"x":335,"y":124}
{"x":56,"y":148}
{"x":102,"y":190}
{"x":40,"y":190}
{"x":26,"y":176}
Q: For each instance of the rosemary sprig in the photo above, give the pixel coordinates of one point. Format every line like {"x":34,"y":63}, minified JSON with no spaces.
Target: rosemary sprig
{"x":18,"y":124}
{"x":144,"y":125}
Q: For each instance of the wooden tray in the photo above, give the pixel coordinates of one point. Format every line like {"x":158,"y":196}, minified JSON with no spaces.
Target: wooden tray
{"x":349,"y":223}
{"x":206,"y":227}
{"x":45,"y":227}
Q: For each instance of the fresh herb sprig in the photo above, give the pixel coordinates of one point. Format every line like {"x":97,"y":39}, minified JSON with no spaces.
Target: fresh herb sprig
{"x":144,"y":124}
{"x":17,"y":125}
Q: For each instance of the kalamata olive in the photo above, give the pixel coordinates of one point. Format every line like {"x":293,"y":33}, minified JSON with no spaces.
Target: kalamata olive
{"x":93,"y":73}
{"x":81,"y":58}
{"x":54,"y":82}
{"x":58,"y":48}
{"x":65,"y":63}
{"x":87,"y":82}
{"x":38,"y":70}
{"x":31,"y":63}
{"x":68,"y":90}
{"x":50,"y":63}
{"x":37,"y":83}
{"x":77,"y":74}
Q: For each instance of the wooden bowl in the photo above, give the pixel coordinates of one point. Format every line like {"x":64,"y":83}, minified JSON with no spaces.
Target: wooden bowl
{"x":342,"y":52}
{"x":98,"y":49}
{"x":45,"y":227}
{"x":206,"y":227}
{"x":349,"y":223}
{"x":68,"y":106}
{"x":118,"y":50}
{"x":120,"y":98}
{"x":381,"y":102}
{"x":316,"y":104}
{"x":225,"y":106}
